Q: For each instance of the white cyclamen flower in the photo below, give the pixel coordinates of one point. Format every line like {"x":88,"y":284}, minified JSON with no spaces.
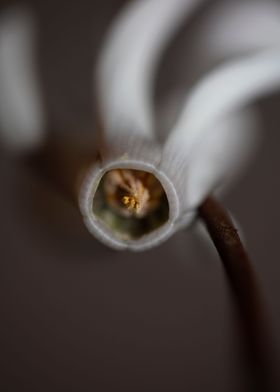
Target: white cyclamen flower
{"x":140,"y":192}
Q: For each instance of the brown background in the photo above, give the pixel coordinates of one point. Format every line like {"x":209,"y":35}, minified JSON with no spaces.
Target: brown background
{"x":76,"y":316}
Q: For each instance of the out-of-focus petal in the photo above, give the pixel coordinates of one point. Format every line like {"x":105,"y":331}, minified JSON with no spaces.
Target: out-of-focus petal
{"x":224,"y":152}
{"x":236,"y":27}
{"x":21,"y":109}
{"x":213,"y":141}
{"x":227,"y":88}
{"x":127,"y":62}
{"x":219,"y":94}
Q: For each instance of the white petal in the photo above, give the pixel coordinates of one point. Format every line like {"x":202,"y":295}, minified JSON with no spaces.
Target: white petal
{"x":236,"y":27}
{"x":209,"y":144}
{"x":205,"y":131}
{"x":126,"y":66}
{"x":21,"y":113}
{"x":219,"y":94}
{"x":225,"y":89}
{"x":222,"y":155}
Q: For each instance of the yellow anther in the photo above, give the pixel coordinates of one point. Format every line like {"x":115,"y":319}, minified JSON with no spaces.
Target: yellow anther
{"x":131,"y":202}
{"x":132,"y":192}
{"x":126,"y":200}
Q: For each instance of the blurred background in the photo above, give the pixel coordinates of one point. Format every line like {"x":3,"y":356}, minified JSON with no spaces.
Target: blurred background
{"x":77,"y":316}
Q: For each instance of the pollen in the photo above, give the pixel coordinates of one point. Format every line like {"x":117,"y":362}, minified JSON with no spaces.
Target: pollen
{"x":132,"y":192}
{"x":131,"y":202}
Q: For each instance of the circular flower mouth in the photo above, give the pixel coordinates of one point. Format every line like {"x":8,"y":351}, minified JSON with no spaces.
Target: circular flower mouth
{"x":131,"y":203}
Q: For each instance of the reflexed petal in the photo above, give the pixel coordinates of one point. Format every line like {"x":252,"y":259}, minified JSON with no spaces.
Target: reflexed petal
{"x":212,"y":140}
{"x":127,"y":62}
{"x":222,"y":92}
{"x":225,"y":89}
{"x":222,"y":155}
{"x":21,"y":113}
{"x":236,"y":27}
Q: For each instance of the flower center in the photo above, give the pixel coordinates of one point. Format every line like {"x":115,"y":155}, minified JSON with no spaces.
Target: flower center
{"x":132,"y":192}
{"x":131,"y":202}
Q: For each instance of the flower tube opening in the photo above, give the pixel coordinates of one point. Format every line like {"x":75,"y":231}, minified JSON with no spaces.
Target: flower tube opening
{"x":131,"y":203}
{"x":119,"y":222}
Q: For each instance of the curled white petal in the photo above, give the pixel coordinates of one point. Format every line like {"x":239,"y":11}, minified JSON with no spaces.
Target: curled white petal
{"x":21,"y":112}
{"x":236,"y":27}
{"x":225,"y":89}
{"x":128,"y":60}
{"x":212,"y":139}
{"x":222,"y":155}
{"x":201,"y":142}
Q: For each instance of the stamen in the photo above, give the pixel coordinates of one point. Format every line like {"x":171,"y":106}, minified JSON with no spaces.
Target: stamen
{"x":131,"y":202}
{"x":132,"y":192}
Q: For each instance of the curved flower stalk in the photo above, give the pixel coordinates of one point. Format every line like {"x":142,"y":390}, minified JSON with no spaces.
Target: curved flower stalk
{"x":21,"y":109}
{"x":140,"y":193}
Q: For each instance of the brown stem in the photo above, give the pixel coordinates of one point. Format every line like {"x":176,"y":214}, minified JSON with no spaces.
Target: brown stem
{"x":63,"y":162}
{"x":244,"y":287}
